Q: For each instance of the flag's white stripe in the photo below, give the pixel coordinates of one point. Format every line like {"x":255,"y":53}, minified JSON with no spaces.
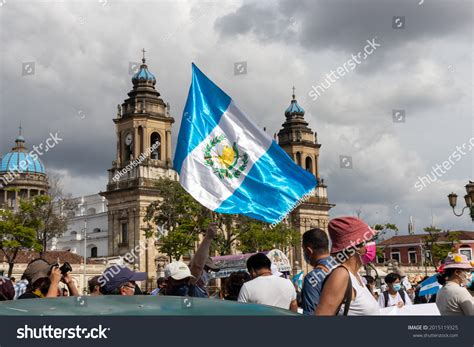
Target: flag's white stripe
{"x":429,"y":286}
{"x":199,"y":180}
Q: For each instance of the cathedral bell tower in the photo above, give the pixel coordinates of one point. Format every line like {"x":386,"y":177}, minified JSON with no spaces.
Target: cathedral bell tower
{"x":143,"y":129}
{"x":301,"y":144}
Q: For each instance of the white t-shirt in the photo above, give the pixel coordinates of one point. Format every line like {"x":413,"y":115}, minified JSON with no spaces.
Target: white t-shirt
{"x":268,"y":290}
{"x":393,"y":300}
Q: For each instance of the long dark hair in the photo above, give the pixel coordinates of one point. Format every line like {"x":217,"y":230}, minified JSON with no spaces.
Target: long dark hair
{"x":443,"y":277}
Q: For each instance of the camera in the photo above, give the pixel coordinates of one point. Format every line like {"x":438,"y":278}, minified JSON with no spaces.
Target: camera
{"x":65,"y":268}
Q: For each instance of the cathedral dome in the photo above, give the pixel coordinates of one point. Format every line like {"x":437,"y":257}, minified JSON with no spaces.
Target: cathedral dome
{"x":294,"y":108}
{"x":143,"y":75}
{"x":18,"y":160}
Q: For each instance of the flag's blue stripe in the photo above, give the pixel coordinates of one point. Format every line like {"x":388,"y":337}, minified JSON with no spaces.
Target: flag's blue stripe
{"x":203,"y":110}
{"x":284,"y":184}
{"x":425,"y":283}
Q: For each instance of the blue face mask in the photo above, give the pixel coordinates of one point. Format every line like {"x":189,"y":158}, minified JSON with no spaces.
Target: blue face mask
{"x":306,"y":258}
{"x":181,"y":290}
{"x":397,"y":287}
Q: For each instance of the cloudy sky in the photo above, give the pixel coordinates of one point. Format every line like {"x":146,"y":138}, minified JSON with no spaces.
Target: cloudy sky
{"x":81,"y":54}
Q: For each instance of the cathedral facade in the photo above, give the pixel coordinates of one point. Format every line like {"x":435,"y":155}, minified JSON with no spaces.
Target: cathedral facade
{"x":143,"y":155}
{"x":143,"y":126}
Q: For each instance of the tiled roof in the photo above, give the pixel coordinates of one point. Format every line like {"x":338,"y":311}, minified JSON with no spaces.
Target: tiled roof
{"x":417,"y":238}
{"x":24,"y":257}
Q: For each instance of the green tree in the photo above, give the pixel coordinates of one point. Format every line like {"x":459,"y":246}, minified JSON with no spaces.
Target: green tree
{"x":18,"y":231}
{"x":257,"y":236}
{"x":53,"y":223}
{"x":384,"y":229}
{"x":176,"y":220}
{"x":439,"y":243}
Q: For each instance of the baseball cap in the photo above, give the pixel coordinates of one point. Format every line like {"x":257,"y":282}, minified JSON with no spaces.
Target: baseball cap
{"x":116,"y":275}
{"x":37,"y":269}
{"x":177,"y":270}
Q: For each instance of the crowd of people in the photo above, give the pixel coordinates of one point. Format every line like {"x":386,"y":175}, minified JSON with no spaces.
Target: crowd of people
{"x":333,"y":287}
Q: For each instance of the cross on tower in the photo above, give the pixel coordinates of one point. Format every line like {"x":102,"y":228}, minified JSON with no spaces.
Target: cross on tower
{"x":143,"y":59}
{"x":293,"y":92}
{"x":19,"y":129}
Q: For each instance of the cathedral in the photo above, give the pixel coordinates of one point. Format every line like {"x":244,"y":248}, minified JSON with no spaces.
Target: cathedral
{"x":22,"y":175}
{"x":301,"y":144}
{"x":143,"y":121}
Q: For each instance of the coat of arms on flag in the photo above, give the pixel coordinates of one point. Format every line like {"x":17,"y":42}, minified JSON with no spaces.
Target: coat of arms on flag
{"x":225,"y":161}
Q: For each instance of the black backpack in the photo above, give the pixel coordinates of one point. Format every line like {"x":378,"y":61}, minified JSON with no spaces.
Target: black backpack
{"x":347,"y":296}
{"x":385,"y":296}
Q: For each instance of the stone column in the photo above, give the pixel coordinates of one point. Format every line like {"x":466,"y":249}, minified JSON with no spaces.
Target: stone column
{"x":136,"y":144}
{"x":168,"y":146}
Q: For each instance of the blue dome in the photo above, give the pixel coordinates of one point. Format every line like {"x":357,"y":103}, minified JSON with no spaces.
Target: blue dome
{"x":11,"y":163}
{"x":294,"y":108}
{"x":143,"y":75}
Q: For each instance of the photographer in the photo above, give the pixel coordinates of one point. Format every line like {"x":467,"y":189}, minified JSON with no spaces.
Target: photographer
{"x":44,"y":278}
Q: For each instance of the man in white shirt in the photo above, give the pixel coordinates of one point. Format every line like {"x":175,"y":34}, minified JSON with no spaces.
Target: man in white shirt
{"x":394,"y":295}
{"x":265,"y":288}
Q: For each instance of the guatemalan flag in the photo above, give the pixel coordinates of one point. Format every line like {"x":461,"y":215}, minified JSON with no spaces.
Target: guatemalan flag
{"x":229,"y":164}
{"x":429,"y":286}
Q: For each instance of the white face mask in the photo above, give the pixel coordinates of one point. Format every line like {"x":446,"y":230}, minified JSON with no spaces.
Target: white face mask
{"x":466,"y":278}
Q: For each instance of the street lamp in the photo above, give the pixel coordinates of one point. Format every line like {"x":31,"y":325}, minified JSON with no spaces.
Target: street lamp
{"x":468,"y":198}
{"x":83,"y":207}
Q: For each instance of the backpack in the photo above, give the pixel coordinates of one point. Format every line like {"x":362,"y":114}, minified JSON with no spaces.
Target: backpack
{"x":385,"y":296}
{"x":347,"y":295}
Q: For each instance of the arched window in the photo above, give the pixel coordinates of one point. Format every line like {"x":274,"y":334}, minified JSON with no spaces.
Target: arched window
{"x":91,"y":211}
{"x":309,"y":164}
{"x":94,"y":252}
{"x":96,"y":230}
{"x":71,"y":214}
{"x":73,"y":233}
{"x":155,"y":146}
{"x":298,"y":158}
{"x":124,"y":234}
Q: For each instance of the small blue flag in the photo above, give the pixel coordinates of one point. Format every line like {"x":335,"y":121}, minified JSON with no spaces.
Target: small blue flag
{"x":298,"y":279}
{"x":429,"y":286}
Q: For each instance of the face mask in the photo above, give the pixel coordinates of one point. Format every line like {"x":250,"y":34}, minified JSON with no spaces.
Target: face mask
{"x":467,"y":280}
{"x":181,"y":290}
{"x":306,"y":257}
{"x":369,"y":256}
{"x":397,"y":287}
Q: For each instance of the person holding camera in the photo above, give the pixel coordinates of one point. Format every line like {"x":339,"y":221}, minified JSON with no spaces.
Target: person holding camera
{"x":43,"y":279}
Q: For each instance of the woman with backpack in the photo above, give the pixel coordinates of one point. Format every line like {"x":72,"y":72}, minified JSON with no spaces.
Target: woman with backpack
{"x":344,"y":292}
{"x":394,"y":295}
